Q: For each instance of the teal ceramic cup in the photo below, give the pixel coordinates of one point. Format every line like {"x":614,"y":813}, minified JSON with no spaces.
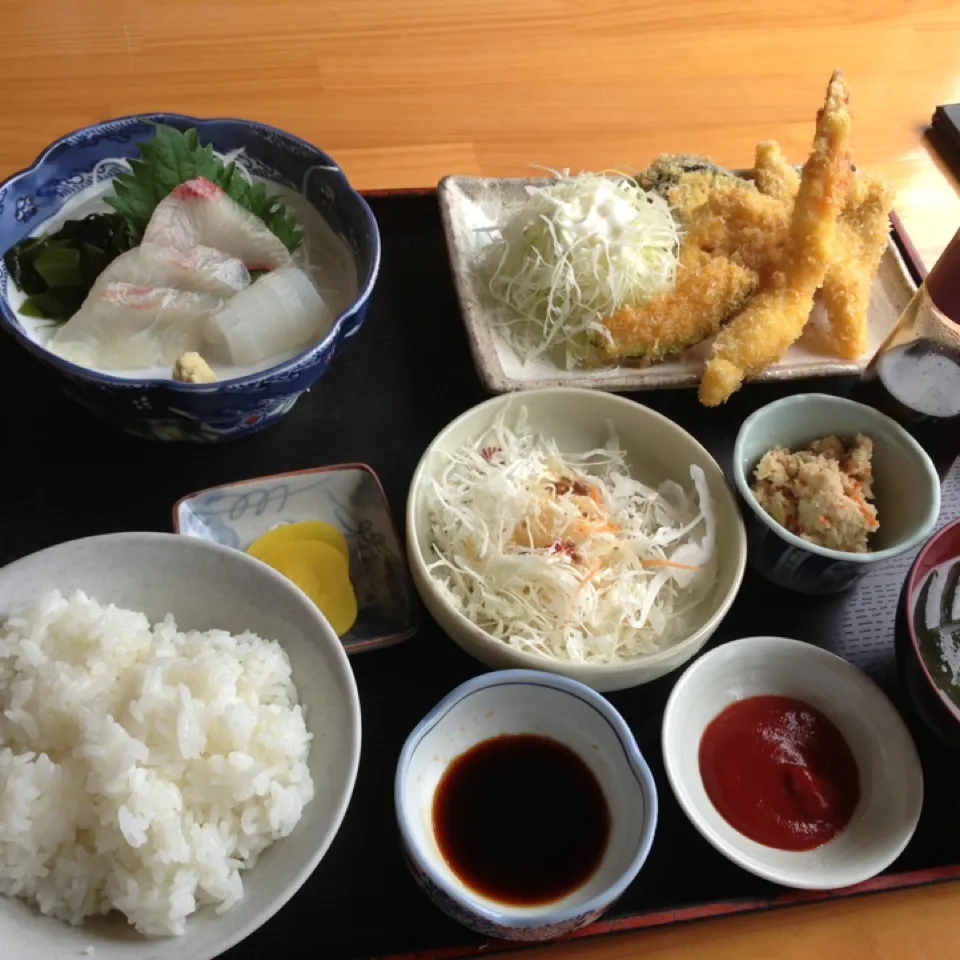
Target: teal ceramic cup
{"x":906,"y":491}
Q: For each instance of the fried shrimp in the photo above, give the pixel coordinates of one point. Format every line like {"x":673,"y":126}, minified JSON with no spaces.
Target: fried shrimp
{"x":702,"y":299}
{"x":775,"y":177}
{"x":776,"y":316}
{"x":862,"y":232}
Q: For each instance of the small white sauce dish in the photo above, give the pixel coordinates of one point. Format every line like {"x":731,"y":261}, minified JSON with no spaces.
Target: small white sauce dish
{"x":526,"y":702}
{"x":891,"y":778}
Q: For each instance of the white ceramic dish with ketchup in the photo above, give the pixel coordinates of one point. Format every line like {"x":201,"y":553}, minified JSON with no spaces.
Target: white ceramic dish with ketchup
{"x":890,"y":776}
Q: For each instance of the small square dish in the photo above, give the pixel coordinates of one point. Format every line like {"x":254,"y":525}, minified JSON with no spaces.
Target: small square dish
{"x":350,"y":497}
{"x":474,"y":209}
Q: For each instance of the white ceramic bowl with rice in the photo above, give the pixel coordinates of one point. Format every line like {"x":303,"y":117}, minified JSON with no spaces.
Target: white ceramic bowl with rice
{"x":636,"y":626}
{"x":194,"y":699}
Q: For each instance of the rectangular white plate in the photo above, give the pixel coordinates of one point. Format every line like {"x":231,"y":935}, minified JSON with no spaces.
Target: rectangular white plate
{"x":473,"y":209}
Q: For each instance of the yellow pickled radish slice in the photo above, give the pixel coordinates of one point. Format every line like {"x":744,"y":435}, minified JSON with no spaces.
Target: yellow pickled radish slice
{"x":304,"y":530}
{"x":321,"y":572}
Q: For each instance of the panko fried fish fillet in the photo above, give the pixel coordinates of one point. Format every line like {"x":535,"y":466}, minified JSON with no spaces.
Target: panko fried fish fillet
{"x":702,"y":298}
{"x":737,"y":222}
{"x":776,"y":316}
{"x":692,"y":189}
{"x":862,"y":232}
{"x":669,"y":169}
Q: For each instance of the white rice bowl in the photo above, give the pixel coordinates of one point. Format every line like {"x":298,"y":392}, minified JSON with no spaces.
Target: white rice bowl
{"x":145,"y":765}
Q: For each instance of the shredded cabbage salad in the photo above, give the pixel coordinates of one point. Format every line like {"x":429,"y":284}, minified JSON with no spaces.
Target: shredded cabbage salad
{"x":567,"y":555}
{"x":574,"y":252}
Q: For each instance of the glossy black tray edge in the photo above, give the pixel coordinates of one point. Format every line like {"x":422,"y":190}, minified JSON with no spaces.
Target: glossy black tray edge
{"x":703,"y":911}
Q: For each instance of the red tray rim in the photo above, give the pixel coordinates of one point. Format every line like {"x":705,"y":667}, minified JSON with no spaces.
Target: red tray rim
{"x":701,"y":911}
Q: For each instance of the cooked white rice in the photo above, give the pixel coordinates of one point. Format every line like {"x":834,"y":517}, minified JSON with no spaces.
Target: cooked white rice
{"x":141,"y":769}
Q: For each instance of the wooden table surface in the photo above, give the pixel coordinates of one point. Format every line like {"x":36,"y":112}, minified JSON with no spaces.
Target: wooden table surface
{"x":401,"y":92}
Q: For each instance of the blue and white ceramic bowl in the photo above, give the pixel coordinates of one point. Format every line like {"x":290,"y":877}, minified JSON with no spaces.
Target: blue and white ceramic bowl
{"x":348,"y":496}
{"x":526,"y":702}
{"x":163,"y":409}
{"x":906,"y":491}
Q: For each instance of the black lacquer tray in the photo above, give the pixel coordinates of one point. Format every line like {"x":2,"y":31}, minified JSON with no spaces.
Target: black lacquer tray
{"x":63,"y":475}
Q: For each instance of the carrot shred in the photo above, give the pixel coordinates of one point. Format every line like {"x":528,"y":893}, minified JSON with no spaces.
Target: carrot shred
{"x":865,"y":510}
{"x":593,"y":525}
{"x":591,"y":573}
{"x":667,"y":563}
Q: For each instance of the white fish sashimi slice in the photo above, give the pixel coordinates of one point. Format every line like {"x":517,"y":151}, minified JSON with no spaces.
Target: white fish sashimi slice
{"x":199,"y":269}
{"x":122,"y":325}
{"x":278,"y":312}
{"x":199,"y":213}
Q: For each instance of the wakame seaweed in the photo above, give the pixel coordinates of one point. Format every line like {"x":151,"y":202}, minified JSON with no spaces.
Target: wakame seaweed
{"x":56,"y":270}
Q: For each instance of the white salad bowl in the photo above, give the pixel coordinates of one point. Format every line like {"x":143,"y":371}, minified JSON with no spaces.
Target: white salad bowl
{"x":526,"y":702}
{"x":580,"y":420}
{"x":205,"y":586}
{"x":891,"y":779}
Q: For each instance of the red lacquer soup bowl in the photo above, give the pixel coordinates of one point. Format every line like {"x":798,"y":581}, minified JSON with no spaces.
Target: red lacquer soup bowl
{"x":925,"y":653}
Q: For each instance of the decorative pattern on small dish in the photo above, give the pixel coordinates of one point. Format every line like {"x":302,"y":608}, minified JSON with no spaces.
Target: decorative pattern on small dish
{"x":474,"y":921}
{"x":474,"y":208}
{"x":350,"y":497}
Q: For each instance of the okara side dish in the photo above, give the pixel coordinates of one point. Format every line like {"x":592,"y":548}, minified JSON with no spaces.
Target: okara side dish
{"x":823,"y":494}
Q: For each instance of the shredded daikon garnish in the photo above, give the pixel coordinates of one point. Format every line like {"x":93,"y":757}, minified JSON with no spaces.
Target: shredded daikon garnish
{"x":567,"y":555}
{"x":576,"y":251}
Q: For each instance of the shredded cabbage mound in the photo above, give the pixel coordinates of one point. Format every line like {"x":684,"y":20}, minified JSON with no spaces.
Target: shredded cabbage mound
{"x":576,"y":251}
{"x":566,"y":555}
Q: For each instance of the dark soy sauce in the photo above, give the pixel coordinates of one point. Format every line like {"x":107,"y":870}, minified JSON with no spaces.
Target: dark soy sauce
{"x":915,"y":376}
{"x":918,"y":385}
{"x":521,"y":819}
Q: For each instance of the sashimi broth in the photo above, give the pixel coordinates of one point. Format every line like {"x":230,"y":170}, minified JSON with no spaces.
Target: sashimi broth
{"x":322,"y":254}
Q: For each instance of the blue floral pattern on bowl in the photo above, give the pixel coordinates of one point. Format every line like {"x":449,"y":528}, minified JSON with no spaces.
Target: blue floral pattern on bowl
{"x":526,"y":701}
{"x":348,"y":496}
{"x":25,"y":209}
{"x":795,"y":568}
{"x":479,"y":924}
{"x":163,"y":409}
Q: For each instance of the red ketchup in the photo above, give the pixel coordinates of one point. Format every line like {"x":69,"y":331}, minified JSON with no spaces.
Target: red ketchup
{"x":780,"y":772}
